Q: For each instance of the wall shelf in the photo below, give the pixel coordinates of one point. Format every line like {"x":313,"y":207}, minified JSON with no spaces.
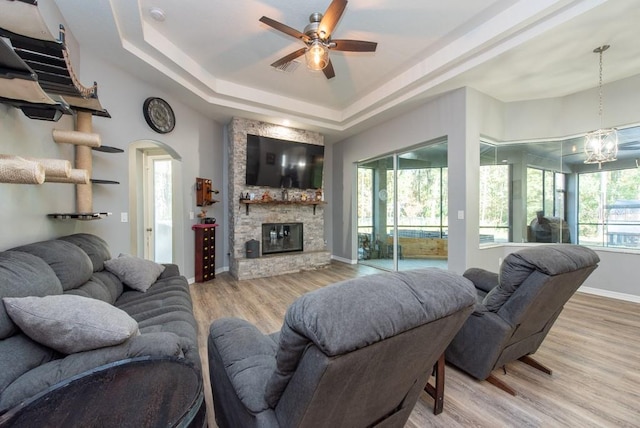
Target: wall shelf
{"x":248,"y":202}
{"x":107,"y":149}
{"x":98,"y":181}
{"x":79,"y":216}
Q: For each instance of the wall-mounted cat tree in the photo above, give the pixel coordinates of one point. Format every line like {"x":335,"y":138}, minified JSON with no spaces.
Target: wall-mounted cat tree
{"x":36,"y":76}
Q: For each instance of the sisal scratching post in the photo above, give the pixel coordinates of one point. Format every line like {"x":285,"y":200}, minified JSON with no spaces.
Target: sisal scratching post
{"x":18,"y":170}
{"x":78,"y":138}
{"x":84,"y":194}
{"x":76,"y":176}
{"x":54,"y":168}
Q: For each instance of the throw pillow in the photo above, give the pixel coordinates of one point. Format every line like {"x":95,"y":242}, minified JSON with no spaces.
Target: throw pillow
{"x":135,"y":272}
{"x":70,"y":323}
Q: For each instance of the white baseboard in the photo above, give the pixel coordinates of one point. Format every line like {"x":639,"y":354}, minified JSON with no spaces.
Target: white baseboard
{"x":222,"y":269}
{"x":343,"y":260}
{"x":612,"y":294}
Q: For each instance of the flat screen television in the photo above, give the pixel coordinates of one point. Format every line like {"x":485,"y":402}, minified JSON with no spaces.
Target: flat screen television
{"x":272,"y":162}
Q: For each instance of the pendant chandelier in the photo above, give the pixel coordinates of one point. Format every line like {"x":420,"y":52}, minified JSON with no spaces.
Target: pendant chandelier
{"x":601,"y":145}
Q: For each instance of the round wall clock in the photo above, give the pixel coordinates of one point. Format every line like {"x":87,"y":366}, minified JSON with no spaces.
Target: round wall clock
{"x":159,"y":115}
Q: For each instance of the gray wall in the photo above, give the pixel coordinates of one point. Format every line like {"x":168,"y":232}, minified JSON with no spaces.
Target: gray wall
{"x":197,"y":139}
{"x":444,"y":116}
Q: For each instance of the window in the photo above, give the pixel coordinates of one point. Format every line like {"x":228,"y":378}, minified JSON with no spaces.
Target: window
{"x":544,"y":192}
{"x":494,"y":203}
{"x":522,"y":193}
{"x":609,"y":208}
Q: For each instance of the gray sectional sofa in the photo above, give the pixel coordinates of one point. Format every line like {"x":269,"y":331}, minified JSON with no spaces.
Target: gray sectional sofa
{"x":132,"y":362}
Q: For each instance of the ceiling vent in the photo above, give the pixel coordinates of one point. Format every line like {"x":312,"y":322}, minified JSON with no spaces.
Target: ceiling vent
{"x":288,"y":67}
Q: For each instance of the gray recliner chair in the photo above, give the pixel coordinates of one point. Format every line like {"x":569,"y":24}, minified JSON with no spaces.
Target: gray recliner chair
{"x":517,"y":308}
{"x":353,"y":354}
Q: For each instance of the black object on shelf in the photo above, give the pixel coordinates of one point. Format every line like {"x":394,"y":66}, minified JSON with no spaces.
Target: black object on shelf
{"x":98,"y":181}
{"x":79,"y":216}
{"x":107,"y":149}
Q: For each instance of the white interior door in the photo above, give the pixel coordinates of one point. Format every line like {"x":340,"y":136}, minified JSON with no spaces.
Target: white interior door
{"x":158,"y":218}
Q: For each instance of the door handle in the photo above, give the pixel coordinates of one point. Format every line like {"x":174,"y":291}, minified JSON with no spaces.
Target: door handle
{"x":149,"y":229}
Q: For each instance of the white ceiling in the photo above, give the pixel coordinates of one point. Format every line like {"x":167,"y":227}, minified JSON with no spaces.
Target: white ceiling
{"x":215,"y":55}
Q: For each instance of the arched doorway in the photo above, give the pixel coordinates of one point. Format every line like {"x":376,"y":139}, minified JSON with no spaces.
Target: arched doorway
{"x":155,"y":200}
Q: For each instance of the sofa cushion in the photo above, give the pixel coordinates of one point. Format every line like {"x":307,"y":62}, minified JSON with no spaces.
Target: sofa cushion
{"x":70,"y":323}
{"x":103,"y":286}
{"x":135,"y":272}
{"x":21,"y":275}
{"x":18,"y":355}
{"x":72,"y":265}
{"x":95,"y":247}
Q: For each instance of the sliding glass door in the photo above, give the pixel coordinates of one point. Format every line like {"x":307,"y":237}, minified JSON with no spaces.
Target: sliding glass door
{"x":402,"y":209}
{"x":376,"y":213}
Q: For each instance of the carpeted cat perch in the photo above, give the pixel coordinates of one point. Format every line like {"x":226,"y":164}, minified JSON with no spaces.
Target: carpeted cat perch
{"x":17,"y":170}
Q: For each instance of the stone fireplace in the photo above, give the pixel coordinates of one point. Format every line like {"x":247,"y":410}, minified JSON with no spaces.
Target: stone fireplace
{"x":246,"y":220}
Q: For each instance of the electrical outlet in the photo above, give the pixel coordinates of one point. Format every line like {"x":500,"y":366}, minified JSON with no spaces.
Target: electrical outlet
{"x":124,"y":217}
{"x":191,"y":215}
{"x":460,"y":215}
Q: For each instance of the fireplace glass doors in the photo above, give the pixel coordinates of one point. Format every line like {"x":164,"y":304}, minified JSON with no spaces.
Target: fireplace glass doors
{"x":281,"y":237}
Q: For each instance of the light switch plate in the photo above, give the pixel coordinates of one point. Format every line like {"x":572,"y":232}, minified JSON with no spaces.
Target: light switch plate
{"x":124,"y":217}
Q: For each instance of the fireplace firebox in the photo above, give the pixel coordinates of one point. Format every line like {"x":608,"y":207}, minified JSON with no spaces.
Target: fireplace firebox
{"x":281,"y":238}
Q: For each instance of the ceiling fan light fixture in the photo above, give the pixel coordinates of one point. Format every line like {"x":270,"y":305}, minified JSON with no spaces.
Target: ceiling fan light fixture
{"x":317,"y":55}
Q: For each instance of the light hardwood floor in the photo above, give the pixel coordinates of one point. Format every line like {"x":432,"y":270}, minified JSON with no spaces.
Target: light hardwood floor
{"x":593,"y":350}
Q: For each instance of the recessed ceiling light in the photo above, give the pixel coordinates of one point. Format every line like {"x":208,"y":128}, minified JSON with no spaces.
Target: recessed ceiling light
{"x":157,"y":14}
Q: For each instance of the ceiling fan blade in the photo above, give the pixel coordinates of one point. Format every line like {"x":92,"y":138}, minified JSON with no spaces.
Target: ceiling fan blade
{"x":331,"y":18}
{"x":289,"y":58}
{"x":353,"y":46}
{"x":284,"y":28}
{"x":328,"y":70}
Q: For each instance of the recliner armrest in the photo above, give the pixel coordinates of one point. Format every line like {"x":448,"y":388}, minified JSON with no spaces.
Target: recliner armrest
{"x":245,"y":356}
{"x":482,"y":279}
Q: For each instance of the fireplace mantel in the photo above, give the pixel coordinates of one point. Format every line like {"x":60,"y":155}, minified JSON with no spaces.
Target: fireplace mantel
{"x":248,"y":202}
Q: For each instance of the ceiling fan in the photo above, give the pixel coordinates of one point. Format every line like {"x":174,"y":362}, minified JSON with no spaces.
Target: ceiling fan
{"x":317,"y":39}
